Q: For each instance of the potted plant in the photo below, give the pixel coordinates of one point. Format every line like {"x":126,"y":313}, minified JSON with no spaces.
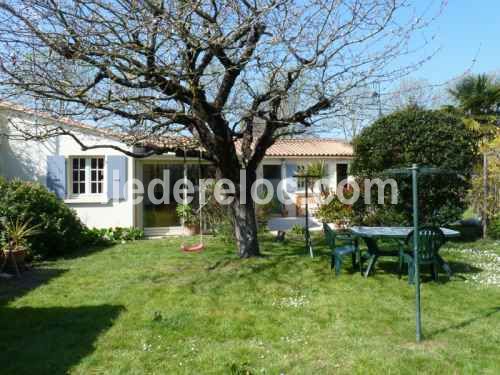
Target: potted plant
{"x":336,"y":212}
{"x":15,"y":243}
{"x":188,"y":218}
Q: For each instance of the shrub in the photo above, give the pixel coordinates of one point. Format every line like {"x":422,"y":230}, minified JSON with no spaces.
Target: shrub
{"x":335,"y":212}
{"x":60,"y":230}
{"x":380,"y":216}
{"x":428,"y":138}
{"x":494,"y":228}
{"x":224,"y":230}
{"x":106,"y":236}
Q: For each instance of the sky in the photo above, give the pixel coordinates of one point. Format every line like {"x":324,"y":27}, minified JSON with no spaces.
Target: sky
{"x":468,"y":36}
{"x":463,"y":39}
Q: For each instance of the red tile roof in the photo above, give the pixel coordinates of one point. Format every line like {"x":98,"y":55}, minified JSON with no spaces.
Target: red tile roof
{"x":310,"y":147}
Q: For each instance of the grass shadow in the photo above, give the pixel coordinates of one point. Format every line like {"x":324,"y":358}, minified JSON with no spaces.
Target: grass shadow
{"x":462,"y":267}
{"x":50,"y":340}
{"x":278,"y":258}
{"x":492,"y":311}
{"x":272,"y":252}
{"x":458,"y":268}
{"x":86,"y":251}
{"x":11,"y":289}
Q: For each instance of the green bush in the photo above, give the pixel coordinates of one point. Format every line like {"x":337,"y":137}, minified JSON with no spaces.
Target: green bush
{"x":494,"y":228}
{"x":224,"y":230}
{"x":428,"y":138}
{"x":106,"y":236}
{"x":381,"y":216}
{"x":335,"y":211}
{"x":60,"y":230}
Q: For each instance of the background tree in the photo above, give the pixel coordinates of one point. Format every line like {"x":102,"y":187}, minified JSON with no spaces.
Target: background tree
{"x":487,"y":203}
{"x":207,"y":68}
{"x":427,"y":137}
{"x":477,"y":95}
{"x":356,"y":111}
{"x":478,"y":98}
{"x":364,"y":105}
{"x":414,"y":93}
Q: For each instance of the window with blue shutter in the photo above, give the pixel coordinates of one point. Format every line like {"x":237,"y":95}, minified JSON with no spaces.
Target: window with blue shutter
{"x":56,"y":175}
{"x":117,"y":176}
{"x":86,"y":175}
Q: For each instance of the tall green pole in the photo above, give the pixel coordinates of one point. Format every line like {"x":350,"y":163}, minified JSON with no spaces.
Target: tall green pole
{"x":414,"y":175}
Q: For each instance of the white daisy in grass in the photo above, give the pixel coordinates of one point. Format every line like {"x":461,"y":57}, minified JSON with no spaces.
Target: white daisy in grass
{"x":486,"y":261}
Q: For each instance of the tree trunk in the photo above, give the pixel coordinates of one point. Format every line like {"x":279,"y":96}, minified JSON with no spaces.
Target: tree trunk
{"x":245,"y":228}
{"x":243,"y":217}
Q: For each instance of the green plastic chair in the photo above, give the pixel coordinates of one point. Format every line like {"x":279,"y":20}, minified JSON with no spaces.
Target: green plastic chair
{"x":338,"y":252}
{"x":430,"y":241}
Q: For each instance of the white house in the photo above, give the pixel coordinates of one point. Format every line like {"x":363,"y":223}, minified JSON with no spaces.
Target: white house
{"x":83,"y":179}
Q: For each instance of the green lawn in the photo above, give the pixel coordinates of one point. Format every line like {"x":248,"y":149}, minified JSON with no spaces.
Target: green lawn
{"x":145,"y":307}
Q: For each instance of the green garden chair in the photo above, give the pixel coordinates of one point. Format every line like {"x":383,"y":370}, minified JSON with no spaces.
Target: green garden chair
{"x":430,"y":241}
{"x":338,"y":252}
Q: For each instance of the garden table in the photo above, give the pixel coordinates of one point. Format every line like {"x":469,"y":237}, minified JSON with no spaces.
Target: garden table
{"x":371,"y":234}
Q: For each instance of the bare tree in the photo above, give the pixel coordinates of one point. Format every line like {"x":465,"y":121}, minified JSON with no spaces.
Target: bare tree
{"x":357,"y":110}
{"x":210,"y":68}
{"x":364,"y":105}
{"x":416,"y":92}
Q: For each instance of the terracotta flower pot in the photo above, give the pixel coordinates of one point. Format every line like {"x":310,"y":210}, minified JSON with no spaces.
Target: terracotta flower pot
{"x":19,"y":255}
{"x":192,"y":229}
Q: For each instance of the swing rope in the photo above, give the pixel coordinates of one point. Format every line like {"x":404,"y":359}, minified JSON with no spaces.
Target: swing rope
{"x":199,"y":246}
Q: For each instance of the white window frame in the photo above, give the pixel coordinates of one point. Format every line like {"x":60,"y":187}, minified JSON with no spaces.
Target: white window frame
{"x":88,"y":175}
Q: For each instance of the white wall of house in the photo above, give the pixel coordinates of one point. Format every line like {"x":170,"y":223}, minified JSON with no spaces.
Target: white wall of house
{"x":27,"y":160}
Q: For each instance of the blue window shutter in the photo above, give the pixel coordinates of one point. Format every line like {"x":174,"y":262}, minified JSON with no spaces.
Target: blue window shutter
{"x":117,"y":176}
{"x":291,"y":182}
{"x":56,"y":175}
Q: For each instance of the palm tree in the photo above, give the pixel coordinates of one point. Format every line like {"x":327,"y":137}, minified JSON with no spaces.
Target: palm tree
{"x":478,"y":99}
{"x":478,"y":95}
